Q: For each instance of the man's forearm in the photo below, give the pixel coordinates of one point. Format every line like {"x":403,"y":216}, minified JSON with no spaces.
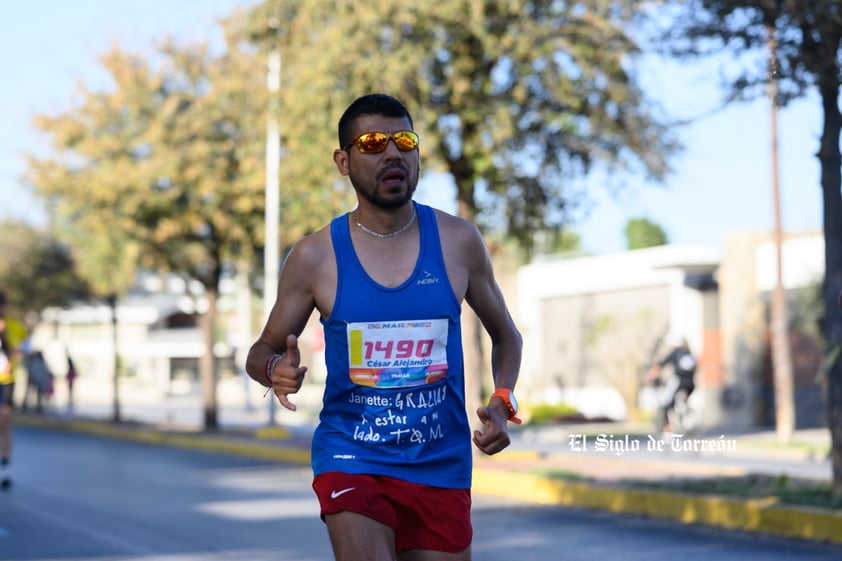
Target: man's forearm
{"x":259,"y":356}
{"x":505,"y":362}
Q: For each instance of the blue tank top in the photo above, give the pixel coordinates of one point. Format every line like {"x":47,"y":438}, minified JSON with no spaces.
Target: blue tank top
{"x":394,"y":399}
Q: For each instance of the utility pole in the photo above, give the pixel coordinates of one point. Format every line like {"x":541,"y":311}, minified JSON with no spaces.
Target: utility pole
{"x":271,"y":255}
{"x":781,"y":355}
{"x":112,"y":304}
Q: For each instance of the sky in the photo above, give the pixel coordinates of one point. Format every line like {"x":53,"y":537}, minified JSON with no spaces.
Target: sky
{"x":721,"y":182}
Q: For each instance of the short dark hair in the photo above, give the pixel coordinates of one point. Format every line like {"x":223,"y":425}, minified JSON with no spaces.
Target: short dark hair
{"x":2,"y":298}
{"x":369,"y":104}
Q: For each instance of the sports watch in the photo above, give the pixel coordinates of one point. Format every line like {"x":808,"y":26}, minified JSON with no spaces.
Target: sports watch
{"x":508,"y":397}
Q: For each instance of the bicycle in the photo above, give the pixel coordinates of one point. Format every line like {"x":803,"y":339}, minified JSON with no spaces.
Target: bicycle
{"x":681,"y":417}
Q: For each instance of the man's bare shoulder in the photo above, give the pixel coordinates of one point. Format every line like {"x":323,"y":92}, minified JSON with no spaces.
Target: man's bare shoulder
{"x":313,"y":251}
{"x":459,"y":234}
{"x":455,"y":229}
{"x":462,"y":244}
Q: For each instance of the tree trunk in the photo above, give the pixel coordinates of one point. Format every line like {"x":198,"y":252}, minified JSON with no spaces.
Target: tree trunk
{"x":207,"y":364}
{"x":831,"y":181}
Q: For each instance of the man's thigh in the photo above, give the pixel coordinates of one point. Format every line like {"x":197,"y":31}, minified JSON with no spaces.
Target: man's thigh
{"x":428,"y":555}
{"x":354,"y":537}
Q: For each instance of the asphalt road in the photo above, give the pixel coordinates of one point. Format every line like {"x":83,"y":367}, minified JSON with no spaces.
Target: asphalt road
{"x":86,"y":498}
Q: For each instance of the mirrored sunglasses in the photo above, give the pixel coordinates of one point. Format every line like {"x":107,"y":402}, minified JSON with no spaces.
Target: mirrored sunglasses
{"x":373,"y":142}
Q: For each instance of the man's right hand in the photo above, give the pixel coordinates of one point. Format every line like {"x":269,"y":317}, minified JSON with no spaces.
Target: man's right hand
{"x":288,"y":374}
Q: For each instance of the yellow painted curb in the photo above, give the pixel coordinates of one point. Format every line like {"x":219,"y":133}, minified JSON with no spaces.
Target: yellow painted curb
{"x":208,"y":443}
{"x":273,"y":433}
{"x":763,"y":515}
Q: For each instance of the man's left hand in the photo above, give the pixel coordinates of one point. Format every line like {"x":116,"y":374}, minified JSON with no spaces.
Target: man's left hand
{"x":495,"y":437}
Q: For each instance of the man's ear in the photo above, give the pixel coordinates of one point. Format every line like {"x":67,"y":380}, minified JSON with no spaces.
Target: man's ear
{"x":341,"y":158}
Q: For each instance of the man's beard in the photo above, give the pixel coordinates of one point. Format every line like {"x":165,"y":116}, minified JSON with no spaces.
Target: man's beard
{"x":370,"y":192}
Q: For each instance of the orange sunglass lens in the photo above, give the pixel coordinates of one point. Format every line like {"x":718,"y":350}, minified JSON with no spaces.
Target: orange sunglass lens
{"x":372,"y":142}
{"x":406,"y":140}
{"x":377,"y":141}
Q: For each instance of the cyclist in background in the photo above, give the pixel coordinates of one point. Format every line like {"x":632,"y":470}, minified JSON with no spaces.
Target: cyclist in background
{"x":680,"y":378}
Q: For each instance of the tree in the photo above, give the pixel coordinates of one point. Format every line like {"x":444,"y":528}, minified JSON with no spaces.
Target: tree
{"x":642,"y":232}
{"x":512,"y":100}
{"x":565,"y":241}
{"x":163,"y":171}
{"x":619,"y":346}
{"x":808,"y":55}
{"x":37,"y":270}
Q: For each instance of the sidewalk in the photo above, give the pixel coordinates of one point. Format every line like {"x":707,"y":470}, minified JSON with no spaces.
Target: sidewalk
{"x":588,"y":465}
{"x":595,"y":466}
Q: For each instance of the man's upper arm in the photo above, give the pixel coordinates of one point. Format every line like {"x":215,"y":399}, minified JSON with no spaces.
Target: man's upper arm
{"x":295,"y":301}
{"x":484,"y":294}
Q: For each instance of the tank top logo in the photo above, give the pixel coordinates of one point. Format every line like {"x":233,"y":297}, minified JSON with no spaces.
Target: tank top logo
{"x":428,"y":278}
{"x":397,"y":354}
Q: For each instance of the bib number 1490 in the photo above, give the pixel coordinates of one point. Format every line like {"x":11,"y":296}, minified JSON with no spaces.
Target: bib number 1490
{"x":406,"y":348}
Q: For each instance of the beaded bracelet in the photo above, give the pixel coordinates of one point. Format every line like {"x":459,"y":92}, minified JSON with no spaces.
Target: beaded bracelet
{"x":271,"y":362}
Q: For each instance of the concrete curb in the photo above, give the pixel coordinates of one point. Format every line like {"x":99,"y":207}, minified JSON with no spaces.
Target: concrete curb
{"x":758,"y":515}
{"x":209,"y":443}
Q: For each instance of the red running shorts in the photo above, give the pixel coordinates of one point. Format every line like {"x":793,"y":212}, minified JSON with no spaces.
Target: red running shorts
{"x":422,"y":517}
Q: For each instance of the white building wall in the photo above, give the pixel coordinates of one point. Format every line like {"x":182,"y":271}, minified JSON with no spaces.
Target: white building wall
{"x":802,"y":258}
{"x":658,"y":266}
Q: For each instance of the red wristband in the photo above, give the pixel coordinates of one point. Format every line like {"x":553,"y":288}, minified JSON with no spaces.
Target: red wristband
{"x":266,"y":368}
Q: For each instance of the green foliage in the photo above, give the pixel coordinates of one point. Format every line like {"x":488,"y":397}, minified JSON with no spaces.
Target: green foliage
{"x":618,"y":345}
{"x":544,"y":413}
{"x":785,"y":489}
{"x":807,"y":34}
{"x":642,"y":232}
{"x":559,"y":242}
{"x":164,"y":171}
{"x":37,"y":270}
{"x":512,"y":101}
{"x":165,"y":168}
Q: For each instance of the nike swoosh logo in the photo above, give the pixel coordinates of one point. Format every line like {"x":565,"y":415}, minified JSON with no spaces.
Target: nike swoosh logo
{"x":336,"y":494}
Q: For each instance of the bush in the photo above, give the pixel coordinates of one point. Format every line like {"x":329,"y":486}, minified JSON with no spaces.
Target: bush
{"x":546,"y":413}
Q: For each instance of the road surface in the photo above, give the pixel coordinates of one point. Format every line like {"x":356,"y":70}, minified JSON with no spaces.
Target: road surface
{"x":87,"y":498}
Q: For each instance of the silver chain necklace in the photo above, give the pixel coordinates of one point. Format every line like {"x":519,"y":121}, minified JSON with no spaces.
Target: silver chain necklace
{"x":397,"y":232}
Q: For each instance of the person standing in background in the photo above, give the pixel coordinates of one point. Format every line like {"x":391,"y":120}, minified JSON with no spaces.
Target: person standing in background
{"x":12,"y":335}
{"x":71,"y":378}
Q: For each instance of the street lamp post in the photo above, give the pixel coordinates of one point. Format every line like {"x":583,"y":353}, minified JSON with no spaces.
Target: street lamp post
{"x":271,"y":255}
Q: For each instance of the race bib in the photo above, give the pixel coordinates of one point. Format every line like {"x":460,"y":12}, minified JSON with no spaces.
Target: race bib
{"x":397,"y":354}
